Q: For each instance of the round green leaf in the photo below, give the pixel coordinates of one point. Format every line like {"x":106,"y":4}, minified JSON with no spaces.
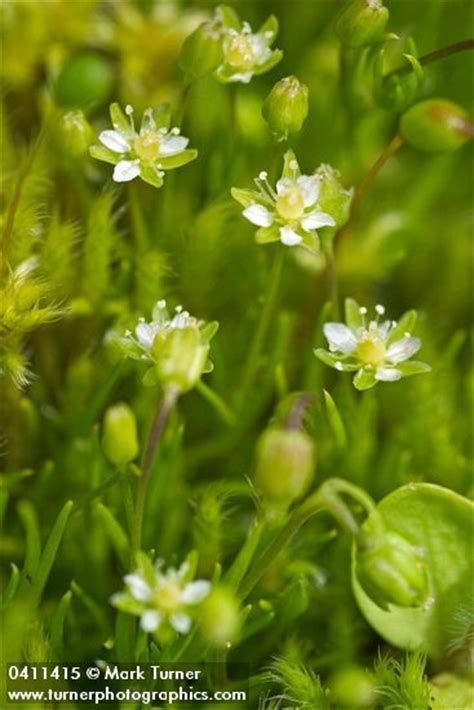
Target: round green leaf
{"x":439,"y":522}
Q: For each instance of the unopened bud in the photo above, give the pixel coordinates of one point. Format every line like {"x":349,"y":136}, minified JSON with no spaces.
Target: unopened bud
{"x":202,"y":52}
{"x":436,"y":125}
{"x":333,"y":197}
{"x":219,"y":616}
{"x":119,"y":439}
{"x":286,"y":107}
{"x":77,"y":134}
{"x":353,"y":686}
{"x":362,"y":22}
{"x":285,"y":465}
{"x":181,"y":357}
{"x":392,"y":571}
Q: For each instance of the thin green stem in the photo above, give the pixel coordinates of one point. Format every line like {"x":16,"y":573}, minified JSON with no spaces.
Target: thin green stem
{"x":331,"y":271}
{"x":157,"y":428}
{"x":463,"y":46}
{"x":367,"y":182}
{"x":140,"y":231}
{"x":216,"y":401}
{"x":253,"y":359}
{"x":127,"y":495}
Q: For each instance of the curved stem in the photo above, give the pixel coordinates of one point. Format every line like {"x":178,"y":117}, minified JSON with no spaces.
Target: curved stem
{"x":216,"y":401}
{"x":253,"y":359}
{"x":157,"y":428}
{"x":367,"y":182}
{"x":441,"y":53}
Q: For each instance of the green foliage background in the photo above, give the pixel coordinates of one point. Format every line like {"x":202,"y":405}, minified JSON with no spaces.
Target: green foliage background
{"x":108,"y":252}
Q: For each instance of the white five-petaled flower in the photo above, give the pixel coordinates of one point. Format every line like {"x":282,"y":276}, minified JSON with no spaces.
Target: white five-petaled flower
{"x":162,"y":598}
{"x":376,"y":351}
{"x":146,"y":153}
{"x":245,"y":53}
{"x":290,"y":213}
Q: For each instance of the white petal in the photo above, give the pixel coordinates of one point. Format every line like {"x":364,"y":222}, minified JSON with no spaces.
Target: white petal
{"x":283,"y":184}
{"x":403,"y":349}
{"x":387,"y":374}
{"x":173,"y":145}
{"x":316,"y":219}
{"x":259,"y":215}
{"x":261,"y":50}
{"x":309,"y":187}
{"x":126,"y":170}
{"x":243,"y":77}
{"x":146,"y":333}
{"x":150,"y":620}
{"x":113,"y":140}
{"x":195,"y":592}
{"x":180,"y":623}
{"x":340,"y":337}
{"x":139,"y":589}
{"x":289,"y":237}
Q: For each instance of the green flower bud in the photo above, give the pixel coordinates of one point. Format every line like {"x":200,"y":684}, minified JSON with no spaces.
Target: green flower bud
{"x":392,"y":571}
{"x":76,"y":132}
{"x":353,"y":686}
{"x":181,"y":357}
{"x":362,"y":22}
{"x":202,"y":52}
{"x":436,"y":125}
{"x":219,"y":616}
{"x":333,"y":197}
{"x":285,"y":466}
{"x":119,"y":439}
{"x":85,"y":79}
{"x":286,"y":106}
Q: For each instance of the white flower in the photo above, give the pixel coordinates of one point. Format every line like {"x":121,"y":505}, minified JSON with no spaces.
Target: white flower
{"x":290,"y":212}
{"x":162,"y":598}
{"x":146,"y":153}
{"x":376,"y":351}
{"x":245,"y":53}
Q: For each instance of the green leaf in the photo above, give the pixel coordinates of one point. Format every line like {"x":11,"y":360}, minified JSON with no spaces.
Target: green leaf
{"x":245,"y":197}
{"x":209,"y":330}
{"x":119,"y":119}
{"x":265,"y":235}
{"x":413,"y":367}
{"x":150,"y":175}
{"x":364,"y":380}
{"x":29,"y":521}
{"x":291,"y":168}
{"x":239,"y":567}
{"x":352,"y":314}
{"x":271,"y":62}
{"x":335,"y":421}
{"x":439,"y":522}
{"x":49,"y":553}
{"x":269,"y":26}
{"x":100,"y":152}
{"x":56,"y":630}
{"x":176,"y":161}
{"x":11,"y":587}
{"x":115,"y":533}
{"x":406,"y":324}
{"x":229,"y":17}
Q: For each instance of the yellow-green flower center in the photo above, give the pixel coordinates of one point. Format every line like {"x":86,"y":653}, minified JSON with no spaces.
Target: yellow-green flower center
{"x":290,"y":204}
{"x":168,"y":597}
{"x":147,"y":145}
{"x":239,"y":52}
{"x":371,"y":351}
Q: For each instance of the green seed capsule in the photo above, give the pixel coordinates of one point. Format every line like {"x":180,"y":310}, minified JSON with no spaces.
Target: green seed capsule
{"x":333,"y":197}
{"x":202,"y":52}
{"x":219,"y":617}
{"x":181,"y":357}
{"x":286,"y":107}
{"x":119,"y":439}
{"x":436,"y":125}
{"x":392,"y":571}
{"x":362,"y":22}
{"x":77,"y":134}
{"x":285,"y":465}
{"x":84,"y":80}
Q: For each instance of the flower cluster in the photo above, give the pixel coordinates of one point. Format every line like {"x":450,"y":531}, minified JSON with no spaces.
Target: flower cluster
{"x":164,"y":601}
{"x":292,"y":212}
{"x":245,"y":53}
{"x":177,"y":346}
{"x":147,"y":153}
{"x":376,"y":351}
